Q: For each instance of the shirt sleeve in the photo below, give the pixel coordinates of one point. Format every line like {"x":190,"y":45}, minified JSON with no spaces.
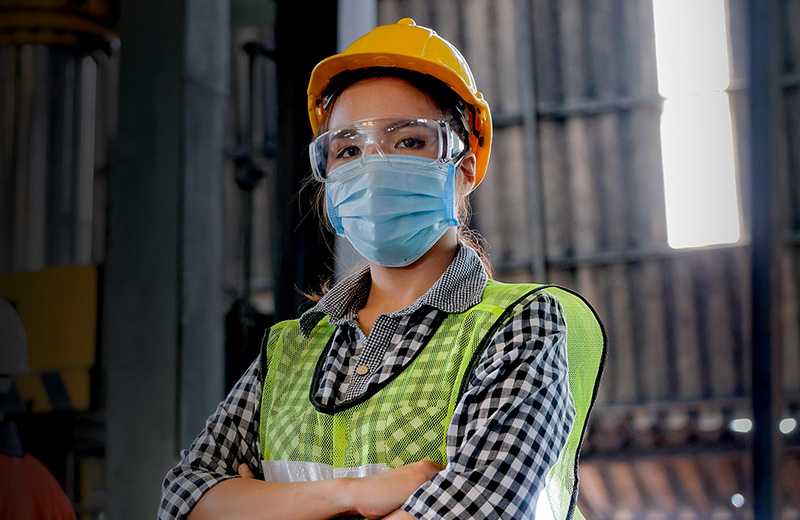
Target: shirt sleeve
{"x":509,"y":426}
{"x":230,"y":438}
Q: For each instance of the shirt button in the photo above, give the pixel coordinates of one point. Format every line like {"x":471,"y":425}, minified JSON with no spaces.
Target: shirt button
{"x":362,"y":370}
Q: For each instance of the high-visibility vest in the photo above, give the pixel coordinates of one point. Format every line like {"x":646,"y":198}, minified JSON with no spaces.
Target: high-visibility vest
{"x":407,"y":418}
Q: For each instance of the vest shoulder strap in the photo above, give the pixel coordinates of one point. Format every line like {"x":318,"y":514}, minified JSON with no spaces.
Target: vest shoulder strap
{"x":279,"y":329}
{"x":275,"y":338}
{"x":586,"y":354}
{"x":586,"y":338}
{"x":499,"y":296}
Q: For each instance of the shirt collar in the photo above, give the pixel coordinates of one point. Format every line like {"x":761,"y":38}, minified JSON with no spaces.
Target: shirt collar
{"x":457,"y":289}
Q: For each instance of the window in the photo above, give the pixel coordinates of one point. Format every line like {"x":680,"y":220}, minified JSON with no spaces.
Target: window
{"x":700,"y":186}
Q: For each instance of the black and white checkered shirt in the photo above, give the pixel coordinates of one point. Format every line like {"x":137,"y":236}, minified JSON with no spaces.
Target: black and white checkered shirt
{"x":508,"y":429}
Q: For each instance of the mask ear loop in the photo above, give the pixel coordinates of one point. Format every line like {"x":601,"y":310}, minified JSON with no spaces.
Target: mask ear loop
{"x":453,"y":165}
{"x":333,"y":217}
{"x":450,"y":193}
{"x":456,"y":166}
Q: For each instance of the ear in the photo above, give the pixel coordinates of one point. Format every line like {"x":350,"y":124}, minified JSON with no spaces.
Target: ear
{"x":466,"y":181}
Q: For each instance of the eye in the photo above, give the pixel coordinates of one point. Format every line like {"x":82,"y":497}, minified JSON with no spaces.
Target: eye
{"x":347,"y":152}
{"x":412,"y":143}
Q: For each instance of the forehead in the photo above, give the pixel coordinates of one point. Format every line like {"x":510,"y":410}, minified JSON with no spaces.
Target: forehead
{"x":381,"y":97}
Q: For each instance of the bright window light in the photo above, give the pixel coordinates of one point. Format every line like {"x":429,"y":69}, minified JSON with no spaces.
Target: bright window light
{"x":696,"y":133}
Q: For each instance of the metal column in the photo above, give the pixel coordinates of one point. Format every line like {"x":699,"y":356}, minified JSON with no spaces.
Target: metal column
{"x":765,"y":95}
{"x":533,"y":179}
{"x":163,"y":303}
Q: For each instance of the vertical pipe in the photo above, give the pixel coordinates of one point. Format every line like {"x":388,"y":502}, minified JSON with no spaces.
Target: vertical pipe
{"x":162,"y":327}
{"x":85,"y":160}
{"x":527,"y":92}
{"x":247,"y":194}
{"x":765,"y":92}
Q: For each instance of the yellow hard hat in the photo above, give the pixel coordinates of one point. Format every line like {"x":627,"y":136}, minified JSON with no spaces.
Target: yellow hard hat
{"x":409,"y":46}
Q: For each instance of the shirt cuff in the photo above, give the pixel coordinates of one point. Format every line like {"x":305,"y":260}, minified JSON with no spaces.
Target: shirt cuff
{"x":185,"y":490}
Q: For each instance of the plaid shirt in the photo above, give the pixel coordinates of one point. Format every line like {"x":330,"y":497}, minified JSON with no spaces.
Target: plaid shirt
{"x":508,"y":428}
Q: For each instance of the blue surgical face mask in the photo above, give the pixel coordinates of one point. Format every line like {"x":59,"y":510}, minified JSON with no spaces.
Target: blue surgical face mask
{"x":393,"y":208}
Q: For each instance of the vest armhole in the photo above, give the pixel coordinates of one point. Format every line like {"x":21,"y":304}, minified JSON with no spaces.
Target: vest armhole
{"x":572,"y":509}
{"x":267,"y":376}
{"x":261,"y":416}
{"x":553,"y":290}
{"x":573,"y":512}
{"x":262,"y":352}
{"x":269,"y":340}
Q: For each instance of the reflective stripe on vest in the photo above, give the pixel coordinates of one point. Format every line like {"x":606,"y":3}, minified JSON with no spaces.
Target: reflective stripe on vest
{"x":302,"y":471}
{"x":406,"y":419}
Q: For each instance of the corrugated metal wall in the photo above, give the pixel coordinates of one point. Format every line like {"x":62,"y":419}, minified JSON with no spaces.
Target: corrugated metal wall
{"x":598,"y":159}
{"x":576,"y":169}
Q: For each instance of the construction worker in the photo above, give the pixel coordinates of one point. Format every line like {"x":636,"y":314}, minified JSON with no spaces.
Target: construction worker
{"x":27,"y":489}
{"x":416,"y":387}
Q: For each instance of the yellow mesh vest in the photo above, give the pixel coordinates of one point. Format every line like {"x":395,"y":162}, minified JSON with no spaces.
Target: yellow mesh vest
{"x":407,"y":418}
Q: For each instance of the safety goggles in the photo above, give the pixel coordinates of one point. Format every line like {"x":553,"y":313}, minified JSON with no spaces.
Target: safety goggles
{"x":434,"y":139}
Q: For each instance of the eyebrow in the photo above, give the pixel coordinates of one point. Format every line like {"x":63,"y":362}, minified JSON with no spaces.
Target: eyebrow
{"x":394,"y":125}
{"x":344,"y":133}
{"x":400,"y":124}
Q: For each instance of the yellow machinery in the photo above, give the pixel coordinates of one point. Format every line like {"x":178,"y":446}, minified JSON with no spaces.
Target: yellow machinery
{"x":58,"y":307}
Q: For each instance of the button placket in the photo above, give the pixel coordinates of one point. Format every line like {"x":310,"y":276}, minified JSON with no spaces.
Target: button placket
{"x":365,"y":366}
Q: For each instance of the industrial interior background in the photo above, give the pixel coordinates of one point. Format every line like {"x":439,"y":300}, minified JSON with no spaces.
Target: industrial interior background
{"x":152,"y":156}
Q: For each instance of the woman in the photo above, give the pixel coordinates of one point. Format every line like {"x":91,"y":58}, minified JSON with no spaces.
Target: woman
{"x":416,"y":387}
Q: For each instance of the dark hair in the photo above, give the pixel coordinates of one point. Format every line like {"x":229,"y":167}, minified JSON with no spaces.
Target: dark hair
{"x":454,"y":110}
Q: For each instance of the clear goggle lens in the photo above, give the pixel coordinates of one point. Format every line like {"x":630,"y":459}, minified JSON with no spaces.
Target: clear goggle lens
{"x":429,"y":138}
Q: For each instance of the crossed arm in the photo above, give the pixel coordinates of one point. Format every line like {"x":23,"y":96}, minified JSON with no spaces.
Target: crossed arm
{"x":215,"y":477}
{"x":507,"y":430}
{"x":377,"y":496}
